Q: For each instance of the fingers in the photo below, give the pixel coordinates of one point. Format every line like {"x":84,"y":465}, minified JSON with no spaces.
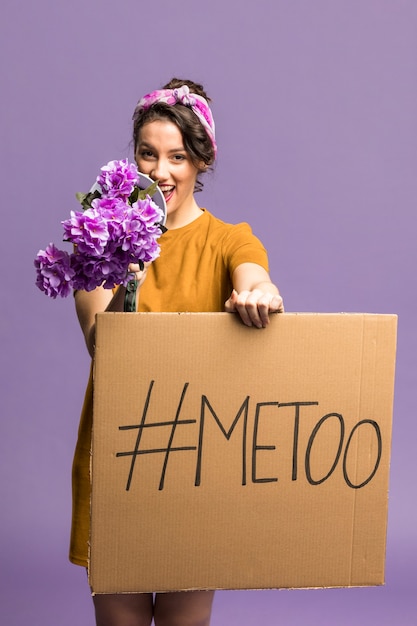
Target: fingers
{"x":254,"y":306}
{"x":138,"y":271}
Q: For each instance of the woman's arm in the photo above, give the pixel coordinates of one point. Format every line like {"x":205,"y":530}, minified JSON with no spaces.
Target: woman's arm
{"x":254,"y":296}
{"x":89,"y":303}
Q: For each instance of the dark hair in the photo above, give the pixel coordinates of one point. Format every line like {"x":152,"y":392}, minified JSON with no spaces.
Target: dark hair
{"x":197,"y":143}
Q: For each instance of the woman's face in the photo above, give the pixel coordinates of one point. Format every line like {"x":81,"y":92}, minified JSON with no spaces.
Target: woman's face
{"x":160,"y":154}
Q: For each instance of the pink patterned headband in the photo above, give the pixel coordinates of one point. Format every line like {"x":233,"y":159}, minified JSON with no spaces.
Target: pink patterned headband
{"x":196,"y":103}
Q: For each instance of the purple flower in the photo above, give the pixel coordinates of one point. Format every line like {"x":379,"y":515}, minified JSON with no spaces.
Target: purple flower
{"x":53,"y":271}
{"x":118,"y":179}
{"x":148,"y":212}
{"x":87,"y":230}
{"x":142,"y":231}
{"x":107,"y":236}
{"x":113,"y":211}
{"x":91,"y":272}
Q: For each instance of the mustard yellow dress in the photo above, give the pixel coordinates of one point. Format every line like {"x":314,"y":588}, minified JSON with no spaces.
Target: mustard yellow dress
{"x":192,"y":273}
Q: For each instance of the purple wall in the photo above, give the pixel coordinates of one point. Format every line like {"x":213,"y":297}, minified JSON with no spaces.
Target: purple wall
{"x":315,"y":105}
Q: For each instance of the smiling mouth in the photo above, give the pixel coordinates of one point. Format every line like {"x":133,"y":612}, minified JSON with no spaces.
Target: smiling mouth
{"x":167,"y":191}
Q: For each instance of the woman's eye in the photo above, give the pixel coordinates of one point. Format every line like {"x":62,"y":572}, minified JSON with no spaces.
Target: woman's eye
{"x":146,"y":154}
{"x":179,"y":157}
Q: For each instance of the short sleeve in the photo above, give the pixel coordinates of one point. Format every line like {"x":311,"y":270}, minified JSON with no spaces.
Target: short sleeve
{"x":242,"y":246}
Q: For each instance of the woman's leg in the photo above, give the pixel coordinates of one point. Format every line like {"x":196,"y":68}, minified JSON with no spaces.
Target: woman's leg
{"x":183,"y":608}
{"x":124,"y":609}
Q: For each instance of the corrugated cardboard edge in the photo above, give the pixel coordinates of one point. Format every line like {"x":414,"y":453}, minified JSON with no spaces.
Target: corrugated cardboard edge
{"x":385,"y":319}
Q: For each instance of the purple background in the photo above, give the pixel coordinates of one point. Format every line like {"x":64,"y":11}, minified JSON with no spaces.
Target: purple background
{"x":315,"y":105}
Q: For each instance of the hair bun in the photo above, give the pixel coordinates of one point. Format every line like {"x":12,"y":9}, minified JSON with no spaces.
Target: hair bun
{"x":196,"y":88}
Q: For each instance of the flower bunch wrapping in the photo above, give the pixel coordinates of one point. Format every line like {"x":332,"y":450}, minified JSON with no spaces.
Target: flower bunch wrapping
{"x":120,"y":224}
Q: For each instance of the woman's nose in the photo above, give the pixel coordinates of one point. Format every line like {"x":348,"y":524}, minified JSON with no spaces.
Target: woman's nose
{"x":160,"y":170}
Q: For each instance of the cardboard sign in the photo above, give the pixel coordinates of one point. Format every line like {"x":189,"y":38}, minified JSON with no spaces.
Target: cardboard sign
{"x":228,"y":457}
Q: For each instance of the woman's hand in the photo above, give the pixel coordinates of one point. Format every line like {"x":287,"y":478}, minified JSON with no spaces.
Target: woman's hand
{"x":254,"y":306}
{"x":254,"y":296}
{"x":138,"y":273}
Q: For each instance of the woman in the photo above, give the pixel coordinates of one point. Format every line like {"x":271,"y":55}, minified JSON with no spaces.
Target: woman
{"x":204,"y":265}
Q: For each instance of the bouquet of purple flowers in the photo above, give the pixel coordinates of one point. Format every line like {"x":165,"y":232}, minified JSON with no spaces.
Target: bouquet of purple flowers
{"x":120,"y":224}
